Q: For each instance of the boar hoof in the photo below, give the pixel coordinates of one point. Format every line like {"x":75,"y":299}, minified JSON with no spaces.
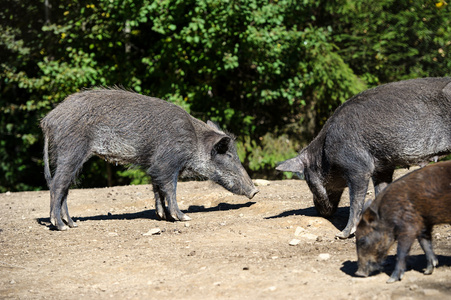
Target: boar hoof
{"x":62,"y":227}
{"x":185,"y":218}
{"x":394,"y":278}
{"x":391,"y":280}
{"x":429,"y":271}
{"x":180,"y":217}
{"x":343,"y":235}
{"x":70,"y":223}
{"x":430,"y":267}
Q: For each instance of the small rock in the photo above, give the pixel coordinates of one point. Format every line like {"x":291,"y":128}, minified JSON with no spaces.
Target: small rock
{"x":272,"y":288}
{"x":294,"y":242}
{"x":309,"y":236}
{"x":431,"y":292}
{"x":261,"y":182}
{"x":8,"y":193}
{"x":153,"y":231}
{"x":413,"y":287}
{"x":187,"y":225}
{"x":319,"y":239}
{"x":298,"y":231}
{"x":12,"y":281}
{"x":324,"y":256}
{"x":113,"y":234}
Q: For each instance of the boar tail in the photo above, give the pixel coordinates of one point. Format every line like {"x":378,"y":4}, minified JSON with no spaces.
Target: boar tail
{"x":47,"y":173}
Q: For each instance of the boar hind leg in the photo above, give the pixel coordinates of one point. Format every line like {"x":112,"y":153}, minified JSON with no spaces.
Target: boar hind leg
{"x":59,"y":214}
{"x":426,"y":244}
{"x":67,"y":169}
{"x":65,"y":214}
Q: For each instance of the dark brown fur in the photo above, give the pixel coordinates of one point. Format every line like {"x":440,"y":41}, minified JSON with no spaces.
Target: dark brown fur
{"x":406,"y":210}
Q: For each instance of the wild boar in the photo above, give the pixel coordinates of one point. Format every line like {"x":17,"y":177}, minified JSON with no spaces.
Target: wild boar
{"x":128,"y":128}
{"x":406,"y":210}
{"x":394,"y":125}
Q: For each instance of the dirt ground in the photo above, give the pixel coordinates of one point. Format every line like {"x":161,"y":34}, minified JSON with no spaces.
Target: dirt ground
{"x":233,"y":248}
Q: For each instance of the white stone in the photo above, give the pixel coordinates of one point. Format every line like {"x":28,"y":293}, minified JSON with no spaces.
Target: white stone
{"x":153,"y":231}
{"x":294,"y":242}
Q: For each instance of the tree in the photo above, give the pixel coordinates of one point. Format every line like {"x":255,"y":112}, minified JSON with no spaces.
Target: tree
{"x":271,"y":72}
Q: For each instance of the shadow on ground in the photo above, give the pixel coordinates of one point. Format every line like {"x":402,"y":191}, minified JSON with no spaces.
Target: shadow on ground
{"x":414,"y":262}
{"x":339,"y":219}
{"x":150,"y":214}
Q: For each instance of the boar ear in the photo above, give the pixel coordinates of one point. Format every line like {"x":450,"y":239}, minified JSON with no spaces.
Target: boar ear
{"x":221,"y":146}
{"x":294,"y":165}
{"x":370,"y":215}
{"x":213,"y":125}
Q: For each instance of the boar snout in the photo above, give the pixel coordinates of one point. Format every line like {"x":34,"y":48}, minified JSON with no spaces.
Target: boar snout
{"x":252,"y":193}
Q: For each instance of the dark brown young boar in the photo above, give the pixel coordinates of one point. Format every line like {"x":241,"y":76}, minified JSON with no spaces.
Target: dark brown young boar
{"x":128,"y":128}
{"x":398,"y":124}
{"x":406,"y":210}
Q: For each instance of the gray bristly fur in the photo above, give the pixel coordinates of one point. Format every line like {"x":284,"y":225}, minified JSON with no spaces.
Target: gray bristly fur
{"x":394,"y":125}
{"x":124,"y":127}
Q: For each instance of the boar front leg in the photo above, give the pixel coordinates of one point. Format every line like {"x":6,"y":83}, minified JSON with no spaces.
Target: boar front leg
{"x":168,"y":193}
{"x":357,"y":192}
{"x":404,"y":243}
{"x":381,"y":180}
{"x":160,"y":207}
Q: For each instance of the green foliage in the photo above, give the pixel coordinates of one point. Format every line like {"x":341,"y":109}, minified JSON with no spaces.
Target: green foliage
{"x":268,"y":71}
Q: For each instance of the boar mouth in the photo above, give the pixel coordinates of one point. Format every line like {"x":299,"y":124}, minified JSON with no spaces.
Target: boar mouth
{"x":365,"y":271}
{"x":362,"y":273}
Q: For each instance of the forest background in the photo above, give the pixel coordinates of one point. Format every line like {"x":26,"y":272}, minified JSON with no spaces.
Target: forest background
{"x":271,"y":72}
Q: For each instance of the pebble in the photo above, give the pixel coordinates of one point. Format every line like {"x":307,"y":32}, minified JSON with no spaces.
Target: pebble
{"x":298,"y":231}
{"x":113,"y":234}
{"x":153,"y":231}
{"x":324,"y":256}
{"x":294,"y":242}
{"x":262,"y":182}
{"x":309,"y":236}
{"x":430,"y":292}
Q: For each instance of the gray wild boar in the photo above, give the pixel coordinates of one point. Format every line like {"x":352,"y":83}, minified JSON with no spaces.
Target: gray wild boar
{"x":406,"y":210}
{"x":128,"y":128}
{"x":394,"y":125}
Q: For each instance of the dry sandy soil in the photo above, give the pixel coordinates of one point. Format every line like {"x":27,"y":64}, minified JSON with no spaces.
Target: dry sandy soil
{"x":233,"y":248}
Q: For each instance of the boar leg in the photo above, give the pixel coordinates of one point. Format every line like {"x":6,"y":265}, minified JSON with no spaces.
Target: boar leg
{"x":160,"y":207}
{"x":65,"y":213}
{"x":357,"y":192}
{"x":425,"y":241}
{"x":59,"y":188}
{"x":404,"y":244}
{"x":168,"y":191}
{"x":381,"y":180}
